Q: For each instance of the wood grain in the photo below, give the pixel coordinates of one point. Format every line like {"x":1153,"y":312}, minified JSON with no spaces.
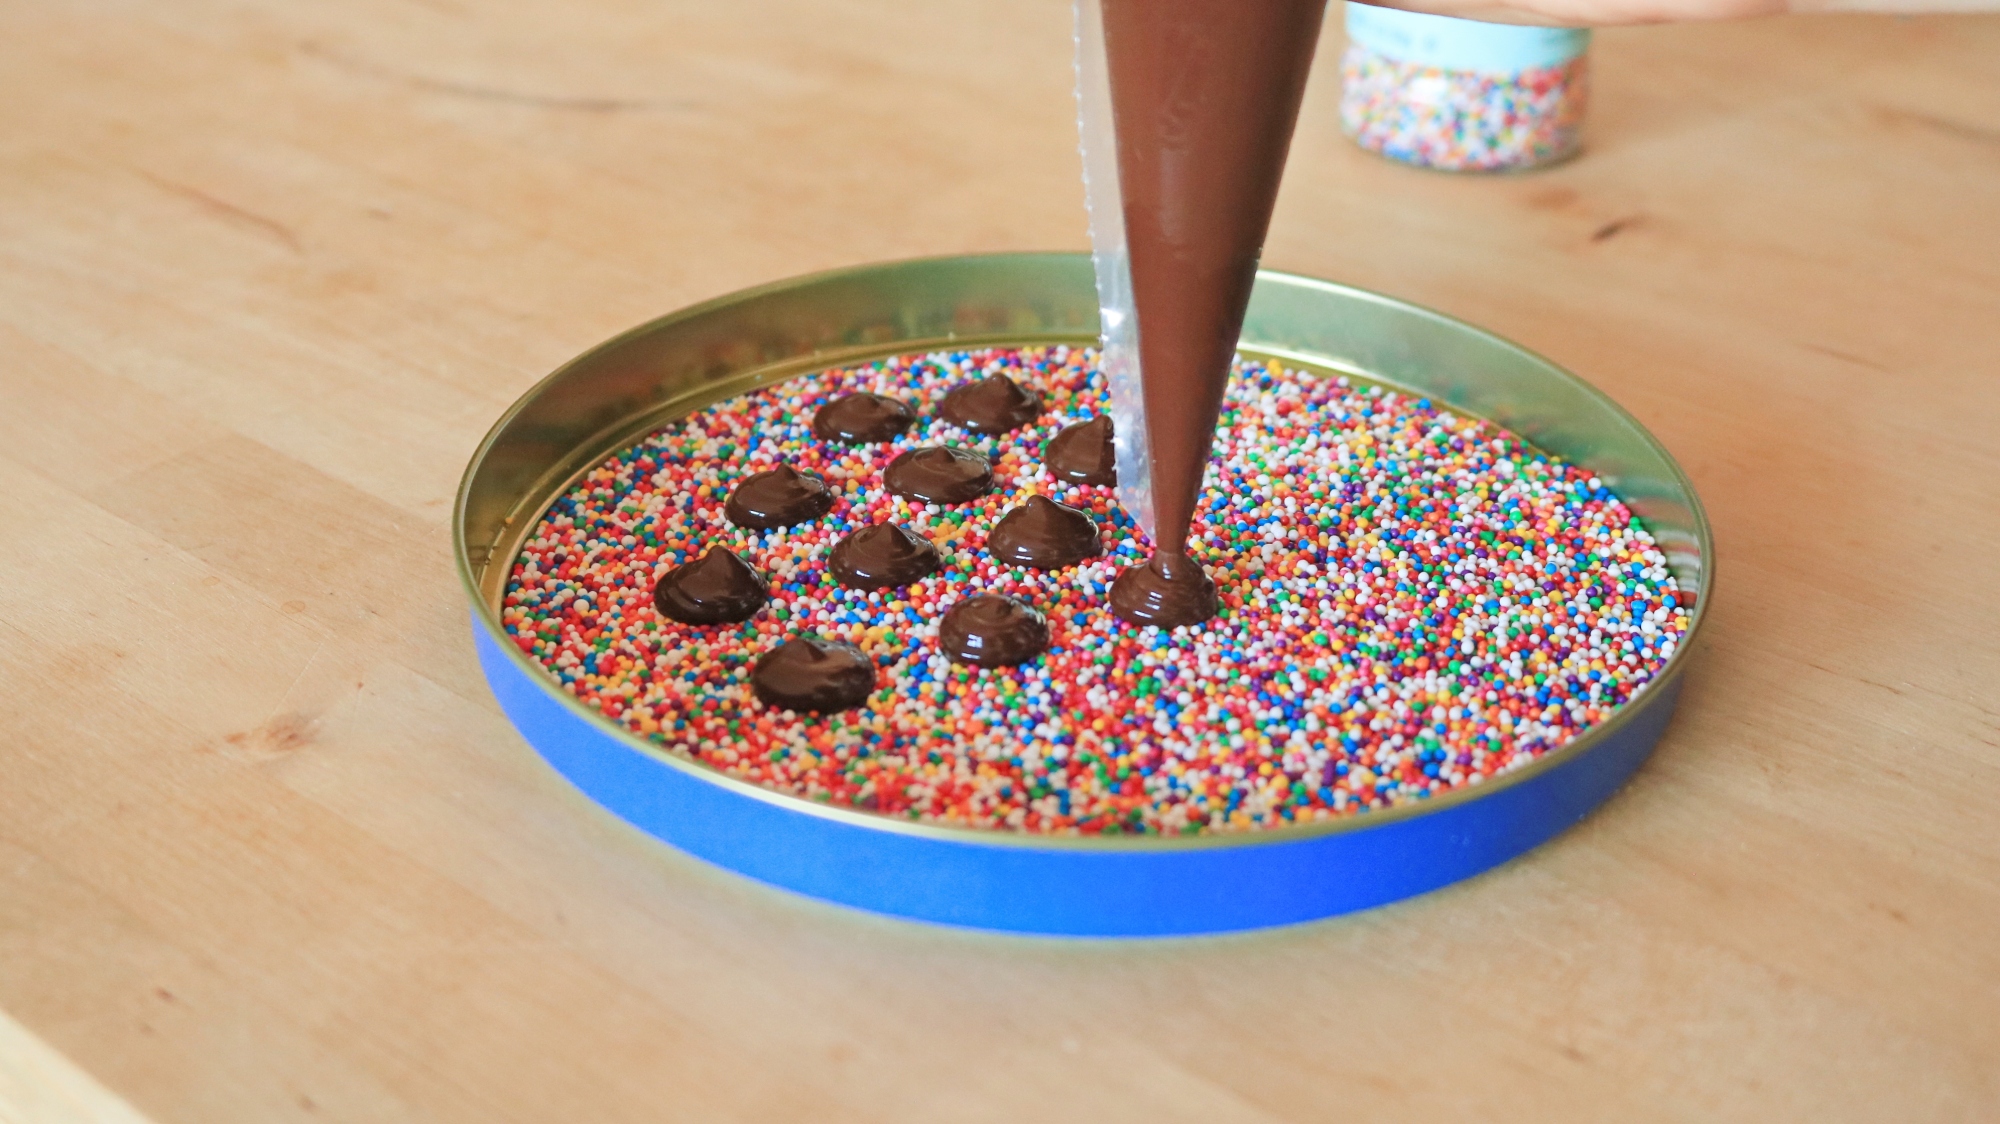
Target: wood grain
{"x":269,"y":852}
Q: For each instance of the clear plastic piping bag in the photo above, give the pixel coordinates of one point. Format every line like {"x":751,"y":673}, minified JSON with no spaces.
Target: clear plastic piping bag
{"x":1119,"y":322}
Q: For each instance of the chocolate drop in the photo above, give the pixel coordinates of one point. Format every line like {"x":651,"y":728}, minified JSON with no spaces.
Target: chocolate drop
{"x":1168,"y":590}
{"x":809,"y":674}
{"x":991,"y":630}
{"x":717,"y":588}
{"x":778,"y":498}
{"x":994,"y":404}
{"x":1083,"y":453}
{"x":939,"y":474}
{"x":882,"y":555}
{"x":1044,"y":534}
{"x":862,"y":418}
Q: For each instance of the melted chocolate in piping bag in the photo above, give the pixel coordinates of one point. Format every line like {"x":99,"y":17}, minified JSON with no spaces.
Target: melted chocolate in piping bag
{"x":1195,"y":102}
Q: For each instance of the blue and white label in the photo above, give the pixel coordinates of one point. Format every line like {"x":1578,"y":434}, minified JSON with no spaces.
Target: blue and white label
{"x":1455,"y":44}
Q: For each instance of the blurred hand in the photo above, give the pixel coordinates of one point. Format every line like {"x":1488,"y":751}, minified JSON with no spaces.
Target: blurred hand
{"x":1604,"y":13}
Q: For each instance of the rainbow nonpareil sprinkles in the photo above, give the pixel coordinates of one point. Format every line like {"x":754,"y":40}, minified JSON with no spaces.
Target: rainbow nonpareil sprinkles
{"x":1462,"y":121}
{"x":1412,"y":601}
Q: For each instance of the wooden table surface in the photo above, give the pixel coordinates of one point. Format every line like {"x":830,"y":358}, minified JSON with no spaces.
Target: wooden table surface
{"x":268,"y":851}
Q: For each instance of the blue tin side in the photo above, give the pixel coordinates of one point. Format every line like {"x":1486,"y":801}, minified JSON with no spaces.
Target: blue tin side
{"x":1070,"y":891}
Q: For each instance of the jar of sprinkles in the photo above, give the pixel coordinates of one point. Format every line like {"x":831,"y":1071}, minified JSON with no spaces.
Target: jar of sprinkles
{"x":1459,"y":95}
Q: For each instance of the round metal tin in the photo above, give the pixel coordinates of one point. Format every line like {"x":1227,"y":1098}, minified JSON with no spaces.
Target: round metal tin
{"x":1083,"y":886}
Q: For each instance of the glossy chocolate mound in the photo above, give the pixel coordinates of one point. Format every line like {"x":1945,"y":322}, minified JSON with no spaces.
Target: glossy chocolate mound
{"x":881,"y":556}
{"x":717,"y":588}
{"x":1083,"y":453}
{"x":862,"y":418}
{"x":778,"y":498}
{"x":1168,"y":590}
{"x":807,"y":673}
{"x":990,"y":630}
{"x":939,"y":474}
{"x":994,"y":404}
{"x":1044,"y":534}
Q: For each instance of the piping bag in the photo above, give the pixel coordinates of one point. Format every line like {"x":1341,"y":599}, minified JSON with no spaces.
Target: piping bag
{"x":1185,"y":111}
{"x":1118,"y":323}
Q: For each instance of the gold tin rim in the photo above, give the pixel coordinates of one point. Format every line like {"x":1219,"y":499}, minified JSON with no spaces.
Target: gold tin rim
{"x":475,"y":561}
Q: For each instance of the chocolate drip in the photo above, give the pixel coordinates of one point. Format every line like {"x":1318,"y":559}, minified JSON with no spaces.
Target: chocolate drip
{"x":882,"y":555}
{"x":994,"y":404}
{"x":778,"y":498}
{"x":1083,"y":453}
{"x":1168,"y":590}
{"x":809,"y":674}
{"x":991,"y":630}
{"x":1044,"y":534}
{"x":939,"y":474}
{"x":717,"y":588}
{"x":862,"y":418}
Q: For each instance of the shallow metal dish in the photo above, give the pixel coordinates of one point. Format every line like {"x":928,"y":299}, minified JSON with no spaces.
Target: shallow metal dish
{"x":1099,"y":885}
